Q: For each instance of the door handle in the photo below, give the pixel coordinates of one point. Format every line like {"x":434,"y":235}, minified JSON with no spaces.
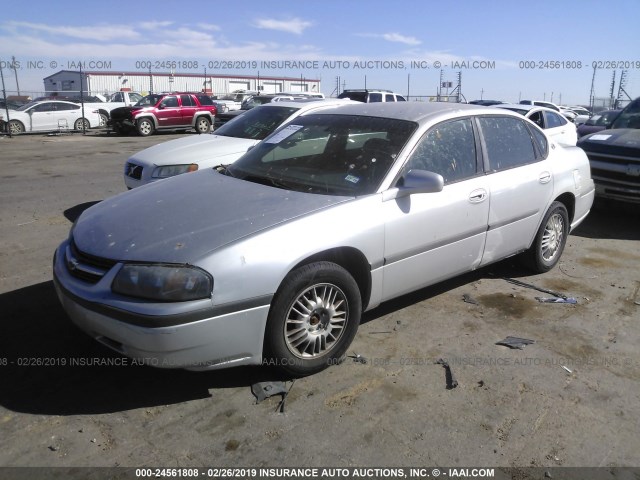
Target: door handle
{"x":478,"y":195}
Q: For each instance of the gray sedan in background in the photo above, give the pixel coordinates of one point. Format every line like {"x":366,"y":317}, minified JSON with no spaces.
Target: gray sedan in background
{"x":275,"y":257}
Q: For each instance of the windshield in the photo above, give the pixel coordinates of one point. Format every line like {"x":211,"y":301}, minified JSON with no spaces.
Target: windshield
{"x":629,"y":117}
{"x":149,"y":100}
{"x":257,"y":123}
{"x":327,"y":154}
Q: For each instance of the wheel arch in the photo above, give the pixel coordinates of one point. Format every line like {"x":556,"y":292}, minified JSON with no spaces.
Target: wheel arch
{"x":352,"y":260}
{"x":569,"y":201}
{"x":197,"y":115}
{"x":153,"y":119}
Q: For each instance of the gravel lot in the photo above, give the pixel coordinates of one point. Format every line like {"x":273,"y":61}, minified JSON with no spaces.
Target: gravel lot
{"x":67,"y":401}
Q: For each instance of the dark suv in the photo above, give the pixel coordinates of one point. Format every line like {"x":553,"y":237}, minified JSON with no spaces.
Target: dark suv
{"x":165,"y":111}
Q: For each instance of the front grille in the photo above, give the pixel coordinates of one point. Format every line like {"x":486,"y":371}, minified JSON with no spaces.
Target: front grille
{"x":85,"y":267}
{"x":133,"y":171}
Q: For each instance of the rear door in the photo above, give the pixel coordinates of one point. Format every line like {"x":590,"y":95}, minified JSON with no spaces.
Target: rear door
{"x":188,"y":110}
{"x":520,"y":181}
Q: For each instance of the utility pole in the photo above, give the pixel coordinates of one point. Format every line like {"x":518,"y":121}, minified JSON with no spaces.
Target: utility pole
{"x":592,"y":96}
{"x":15,"y":72}
{"x":4,"y":97}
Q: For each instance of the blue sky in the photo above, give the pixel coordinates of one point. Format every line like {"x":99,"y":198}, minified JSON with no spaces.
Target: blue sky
{"x":497,"y":35}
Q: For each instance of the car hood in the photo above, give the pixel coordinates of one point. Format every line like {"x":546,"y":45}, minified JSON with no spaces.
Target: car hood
{"x":192,"y":149}
{"x":619,"y":141}
{"x":181,"y":219}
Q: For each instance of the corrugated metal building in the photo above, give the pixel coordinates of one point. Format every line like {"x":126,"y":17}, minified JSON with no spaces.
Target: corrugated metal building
{"x":67,"y":82}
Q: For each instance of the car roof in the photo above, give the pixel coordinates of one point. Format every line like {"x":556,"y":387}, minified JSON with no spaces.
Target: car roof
{"x":521,"y":106}
{"x":308,"y":103}
{"x":419,"y":112}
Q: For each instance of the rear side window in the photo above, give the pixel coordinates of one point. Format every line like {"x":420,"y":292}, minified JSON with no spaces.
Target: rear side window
{"x":541,"y":141}
{"x":400,"y":98}
{"x":389,"y":98}
{"x":205,"y":100}
{"x":508,"y":142}
{"x":554,"y":120}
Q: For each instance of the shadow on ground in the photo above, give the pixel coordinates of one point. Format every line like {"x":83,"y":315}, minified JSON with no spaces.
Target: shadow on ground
{"x":39,"y":343}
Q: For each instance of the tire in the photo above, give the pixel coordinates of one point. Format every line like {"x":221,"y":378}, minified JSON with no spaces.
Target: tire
{"x":203,"y":125}
{"x":103,"y":120}
{"x":550,"y":240}
{"x":145,"y":127}
{"x":15,"y":127}
{"x":313,"y":319}
{"x":77,"y":125}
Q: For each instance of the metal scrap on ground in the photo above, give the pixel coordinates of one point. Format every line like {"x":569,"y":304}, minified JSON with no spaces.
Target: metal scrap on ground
{"x":515,"y":342}
{"x":451,"y":380}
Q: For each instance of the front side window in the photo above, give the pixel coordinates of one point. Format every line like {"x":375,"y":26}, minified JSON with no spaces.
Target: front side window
{"x":375,"y":97}
{"x":508,"y":142}
{"x":448,"y":149}
{"x":169,"y":102}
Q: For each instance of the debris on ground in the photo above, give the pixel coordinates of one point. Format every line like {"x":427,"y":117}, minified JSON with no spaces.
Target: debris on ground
{"x":264,"y":390}
{"x":357,"y":358}
{"x":515,"y":342}
{"x":570,"y":300}
{"x":540,"y":289}
{"x":451,"y":380}
{"x":469,"y":299}
{"x":567,"y":369}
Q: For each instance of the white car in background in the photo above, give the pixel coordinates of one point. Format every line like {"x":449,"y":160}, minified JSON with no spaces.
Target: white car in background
{"x":555,"y":125}
{"x":222,"y":147}
{"x":51,"y":115}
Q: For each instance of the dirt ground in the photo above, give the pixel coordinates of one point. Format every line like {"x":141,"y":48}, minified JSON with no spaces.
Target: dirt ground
{"x":572,"y":398}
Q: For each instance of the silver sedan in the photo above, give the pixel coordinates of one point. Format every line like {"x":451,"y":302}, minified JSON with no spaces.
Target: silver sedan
{"x":274,"y":258}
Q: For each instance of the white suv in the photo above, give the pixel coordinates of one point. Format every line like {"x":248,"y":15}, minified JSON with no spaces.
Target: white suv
{"x":369,"y":96}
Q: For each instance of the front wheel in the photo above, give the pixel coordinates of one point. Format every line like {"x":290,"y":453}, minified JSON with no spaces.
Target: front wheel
{"x":80,"y":124}
{"x":15,"y":127}
{"x":203,"y":125}
{"x":313,"y":319}
{"x":145,"y":127}
{"x":550,"y":240}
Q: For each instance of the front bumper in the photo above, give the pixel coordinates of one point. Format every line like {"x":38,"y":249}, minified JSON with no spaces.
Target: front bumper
{"x":201,"y":342}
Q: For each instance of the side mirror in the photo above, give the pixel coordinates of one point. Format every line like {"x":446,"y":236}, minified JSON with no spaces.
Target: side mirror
{"x":161,"y":107}
{"x":419,"y":181}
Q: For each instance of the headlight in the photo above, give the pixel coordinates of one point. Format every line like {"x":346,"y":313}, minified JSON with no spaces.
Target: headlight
{"x":165,"y":283}
{"x":172,"y":170}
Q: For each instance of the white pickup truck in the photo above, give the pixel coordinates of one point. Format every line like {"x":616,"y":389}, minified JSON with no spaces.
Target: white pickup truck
{"x":116,"y":100}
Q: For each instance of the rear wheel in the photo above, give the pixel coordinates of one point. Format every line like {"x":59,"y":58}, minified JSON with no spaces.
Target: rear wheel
{"x":203,"y":125}
{"x":78,"y":125}
{"x":15,"y":127}
{"x":313,"y":318}
{"x":145,"y":127}
{"x":550,"y":240}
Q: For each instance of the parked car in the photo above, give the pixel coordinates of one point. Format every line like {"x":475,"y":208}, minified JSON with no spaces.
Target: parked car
{"x":371,"y":96}
{"x":247,"y":104}
{"x":166,"y":111}
{"x":486,"y":103}
{"x":232,"y":101}
{"x":540,"y":103}
{"x":274,"y":258}
{"x":50,"y":115}
{"x":598,"y":122}
{"x":224,"y":146}
{"x":614,"y":155}
{"x":556,"y":126}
